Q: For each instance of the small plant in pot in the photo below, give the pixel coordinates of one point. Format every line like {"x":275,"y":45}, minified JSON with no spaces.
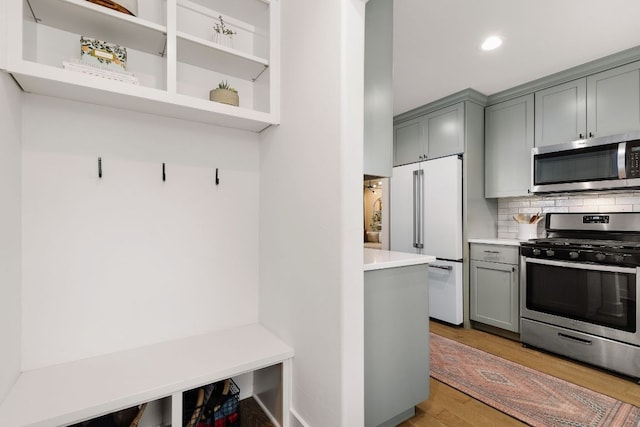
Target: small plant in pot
{"x":225,"y":94}
{"x":222,"y":34}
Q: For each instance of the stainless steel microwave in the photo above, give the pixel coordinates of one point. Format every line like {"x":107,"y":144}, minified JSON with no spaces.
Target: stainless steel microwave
{"x":587,"y":164}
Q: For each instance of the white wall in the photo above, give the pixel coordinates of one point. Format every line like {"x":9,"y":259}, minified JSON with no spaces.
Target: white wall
{"x":126,"y":260}
{"x":3,"y":34}
{"x":607,"y":201}
{"x":311,"y":279}
{"x":10,"y":115}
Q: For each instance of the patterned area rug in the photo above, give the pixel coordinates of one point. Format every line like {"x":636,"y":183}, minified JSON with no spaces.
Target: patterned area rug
{"x":532,"y":397}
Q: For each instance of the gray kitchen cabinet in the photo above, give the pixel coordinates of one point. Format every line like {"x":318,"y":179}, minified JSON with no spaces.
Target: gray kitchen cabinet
{"x":378,"y":93}
{"x":445,"y":131}
{"x":396,"y":343}
{"x":508,"y":144}
{"x":613,"y":101}
{"x":602,"y":104}
{"x":410,"y":144}
{"x":494,"y":286}
{"x":436,"y":134}
{"x":561,"y":113}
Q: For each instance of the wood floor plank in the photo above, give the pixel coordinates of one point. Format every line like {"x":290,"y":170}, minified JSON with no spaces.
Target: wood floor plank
{"x":449,"y":407}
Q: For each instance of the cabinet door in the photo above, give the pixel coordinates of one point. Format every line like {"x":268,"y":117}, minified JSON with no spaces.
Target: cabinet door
{"x":613,"y":101}
{"x":445,"y":131}
{"x":508,"y":144}
{"x":495,"y":294}
{"x":378,"y":93}
{"x":409,"y":142}
{"x":561,"y":113}
{"x":396,"y":341}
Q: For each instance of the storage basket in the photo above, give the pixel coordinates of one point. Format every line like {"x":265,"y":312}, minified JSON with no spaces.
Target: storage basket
{"x":214,"y":405}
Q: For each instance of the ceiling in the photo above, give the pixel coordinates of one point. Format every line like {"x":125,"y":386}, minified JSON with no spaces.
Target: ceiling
{"x":436,"y":42}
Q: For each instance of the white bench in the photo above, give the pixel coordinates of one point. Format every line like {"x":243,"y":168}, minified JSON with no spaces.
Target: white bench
{"x":80,"y":390}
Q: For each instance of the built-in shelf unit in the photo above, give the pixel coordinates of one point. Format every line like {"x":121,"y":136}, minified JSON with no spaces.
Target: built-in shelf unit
{"x":171,"y":49}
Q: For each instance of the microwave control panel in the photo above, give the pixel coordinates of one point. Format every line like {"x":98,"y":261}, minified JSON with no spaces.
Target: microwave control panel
{"x":632,"y":159}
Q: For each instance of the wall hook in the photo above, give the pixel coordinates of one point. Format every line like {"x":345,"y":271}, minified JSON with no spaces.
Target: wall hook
{"x":164,"y":175}
{"x":99,"y":167}
{"x":217,"y":179}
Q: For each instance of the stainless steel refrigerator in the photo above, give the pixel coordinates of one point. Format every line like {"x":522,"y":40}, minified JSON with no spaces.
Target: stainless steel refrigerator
{"x":426,"y":218}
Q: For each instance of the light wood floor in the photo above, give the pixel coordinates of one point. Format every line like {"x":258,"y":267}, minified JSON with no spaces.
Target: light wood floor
{"x":448,"y":407}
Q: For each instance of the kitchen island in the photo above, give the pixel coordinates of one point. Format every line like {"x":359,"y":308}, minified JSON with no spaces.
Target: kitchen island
{"x":396,"y":335}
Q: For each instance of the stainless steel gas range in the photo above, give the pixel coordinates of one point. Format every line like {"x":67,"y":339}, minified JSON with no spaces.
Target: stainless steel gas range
{"x":580,"y":287}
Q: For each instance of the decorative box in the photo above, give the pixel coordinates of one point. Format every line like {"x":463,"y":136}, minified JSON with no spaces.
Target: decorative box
{"x":129,"y":7}
{"x":101,"y":53}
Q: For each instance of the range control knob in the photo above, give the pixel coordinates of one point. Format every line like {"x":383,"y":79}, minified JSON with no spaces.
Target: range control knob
{"x":574,"y":255}
{"x":550,"y":252}
{"x":600,"y":256}
{"x":618,"y":258}
{"x":536,"y":252}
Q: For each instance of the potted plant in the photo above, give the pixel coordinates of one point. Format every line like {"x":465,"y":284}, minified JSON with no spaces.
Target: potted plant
{"x":222,"y":34}
{"x":225,"y":94}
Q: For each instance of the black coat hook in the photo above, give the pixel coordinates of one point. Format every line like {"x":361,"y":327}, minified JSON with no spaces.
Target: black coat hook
{"x":217,"y":179}
{"x":164,"y":175}
{"x":99,"y":167}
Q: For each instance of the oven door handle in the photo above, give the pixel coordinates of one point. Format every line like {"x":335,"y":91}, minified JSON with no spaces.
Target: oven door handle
{"x":582,"y":266}
{"x":574,"y":339}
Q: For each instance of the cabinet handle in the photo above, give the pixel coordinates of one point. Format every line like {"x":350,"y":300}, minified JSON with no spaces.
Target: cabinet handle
{"x":580,"y":136}
{"x":441,"y":267}
{"x":491,"y":252}
{"x":591,"y":135}
{"x":513,"y":269}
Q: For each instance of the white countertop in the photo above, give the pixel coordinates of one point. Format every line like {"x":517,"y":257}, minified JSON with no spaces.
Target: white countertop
{"x":496,"y":241}
{"x":378,"y":259}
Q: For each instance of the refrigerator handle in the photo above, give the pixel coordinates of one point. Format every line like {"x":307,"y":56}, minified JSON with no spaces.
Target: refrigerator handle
{"x":420,"y":207}
{"x":417,"y":208}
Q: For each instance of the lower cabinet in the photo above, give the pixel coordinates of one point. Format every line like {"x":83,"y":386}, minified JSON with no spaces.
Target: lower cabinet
{"x":494,"y":288}
{"x":396,"y":343}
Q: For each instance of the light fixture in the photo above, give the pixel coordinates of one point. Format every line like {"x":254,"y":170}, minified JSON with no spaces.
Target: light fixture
{"x":491,"y":42}
{"x":371,"y":187}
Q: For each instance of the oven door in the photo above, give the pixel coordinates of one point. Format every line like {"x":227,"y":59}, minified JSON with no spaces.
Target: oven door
{"x":595,"y":299}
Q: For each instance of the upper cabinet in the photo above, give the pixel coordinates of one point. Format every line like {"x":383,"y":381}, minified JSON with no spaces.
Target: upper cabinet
{"x":409,"y":142}
{"x":172,"y":49}
{"x":436,"y":134}
{"x":561,"y":113}
{"x":378,"y":90}
{"x":508,"y":144}
{"x":601,"y":104}
{"x":445,"y":131}
{"x":613,"y":101}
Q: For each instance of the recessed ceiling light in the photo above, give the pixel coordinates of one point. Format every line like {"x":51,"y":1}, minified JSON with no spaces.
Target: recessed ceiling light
{"x":491,"y":43}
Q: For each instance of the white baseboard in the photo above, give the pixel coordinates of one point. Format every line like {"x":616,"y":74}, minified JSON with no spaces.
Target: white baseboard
{"x":266,"y":411}
{"x":299,"y":421}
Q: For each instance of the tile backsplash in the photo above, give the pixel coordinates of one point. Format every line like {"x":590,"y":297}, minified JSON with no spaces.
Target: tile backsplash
{"x":618,"y":201}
